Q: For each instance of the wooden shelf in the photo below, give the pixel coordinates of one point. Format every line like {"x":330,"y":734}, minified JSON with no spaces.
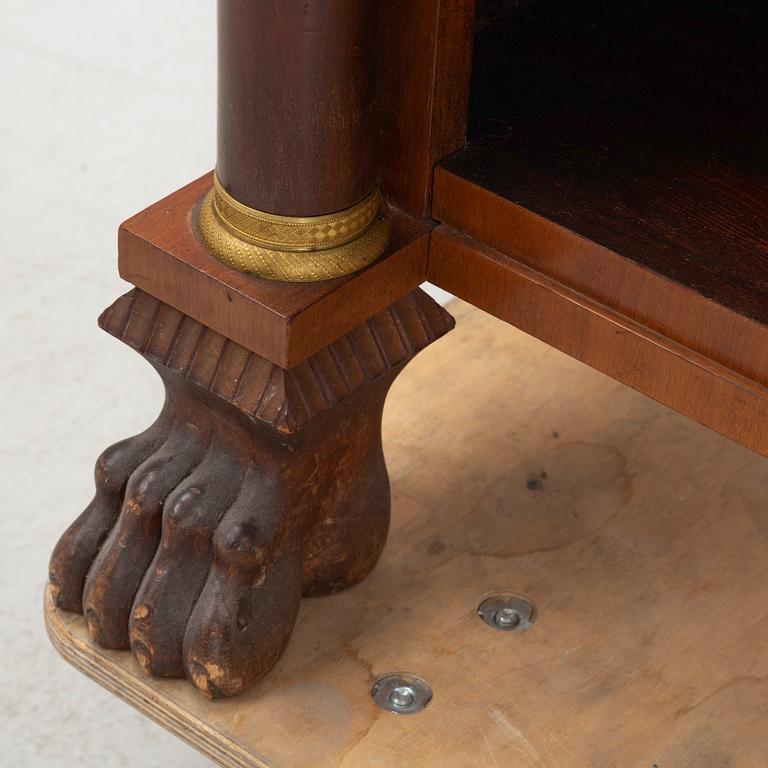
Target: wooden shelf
{"x":650,"y":140}
{"x":622,"y":150}
{"x":642,"y":128}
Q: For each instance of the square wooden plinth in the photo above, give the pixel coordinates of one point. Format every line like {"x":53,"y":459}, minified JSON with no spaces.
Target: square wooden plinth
{"x":159,"y":251}
{"x":641,"y":537}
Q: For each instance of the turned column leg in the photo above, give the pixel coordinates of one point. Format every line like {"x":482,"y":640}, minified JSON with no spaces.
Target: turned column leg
{"x":256,"y":485}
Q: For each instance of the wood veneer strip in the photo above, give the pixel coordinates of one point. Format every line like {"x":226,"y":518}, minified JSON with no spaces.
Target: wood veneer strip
{"x":677,"y":376}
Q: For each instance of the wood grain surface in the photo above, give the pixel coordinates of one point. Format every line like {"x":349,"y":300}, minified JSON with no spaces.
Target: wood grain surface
{"x":640,"y":536}
{"x":159,"y":251}
{"x":424,"y":67}
{"x":297,"y":124}
{"x":596,"y":333}
{"x":642,"y":129}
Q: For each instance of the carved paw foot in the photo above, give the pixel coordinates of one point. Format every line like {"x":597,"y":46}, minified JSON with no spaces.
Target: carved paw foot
{"x":202,"y":537}
{"x":188,"y":557}
{"x":255,"y":486}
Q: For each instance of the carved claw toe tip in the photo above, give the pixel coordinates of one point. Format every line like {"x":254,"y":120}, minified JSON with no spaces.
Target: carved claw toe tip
{"x":94,"y":626}
{"x":212,"y":680}
{"x":55,"y":590}
{"x":143,"y":656}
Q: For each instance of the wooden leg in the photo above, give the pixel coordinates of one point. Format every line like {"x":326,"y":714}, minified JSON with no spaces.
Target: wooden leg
{"x":255,"y":485}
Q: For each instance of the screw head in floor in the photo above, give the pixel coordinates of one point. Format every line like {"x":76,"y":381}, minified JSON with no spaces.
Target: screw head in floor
{"x":507,"y":612}
{"x":401,"y":693}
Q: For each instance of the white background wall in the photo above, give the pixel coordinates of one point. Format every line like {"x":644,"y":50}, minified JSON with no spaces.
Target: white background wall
{"x":105,"y":107}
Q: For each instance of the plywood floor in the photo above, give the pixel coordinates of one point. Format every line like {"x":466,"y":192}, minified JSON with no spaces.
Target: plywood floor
{"x":643,"y":541}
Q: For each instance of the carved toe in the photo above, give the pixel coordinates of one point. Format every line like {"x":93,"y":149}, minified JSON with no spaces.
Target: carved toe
{"x":181,"y":564}
{"x":119,"y":568}
{"x":248,"y":607}
{"x":80,"y":543}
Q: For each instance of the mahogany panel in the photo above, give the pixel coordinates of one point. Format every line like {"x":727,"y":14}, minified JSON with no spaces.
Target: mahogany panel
{"x":159,"y":252}
{"x":424,"y":71}
{"x":674,"y":309}
{"x":648,"y":361}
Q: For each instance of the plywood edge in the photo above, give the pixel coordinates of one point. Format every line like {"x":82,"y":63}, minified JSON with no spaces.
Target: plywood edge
{"x":97,"y":664}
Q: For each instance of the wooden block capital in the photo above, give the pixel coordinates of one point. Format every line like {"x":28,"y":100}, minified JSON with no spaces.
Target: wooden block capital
{"x":159,"y":252}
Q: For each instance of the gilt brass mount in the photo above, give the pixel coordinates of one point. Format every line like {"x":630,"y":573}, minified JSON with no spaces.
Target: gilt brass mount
{"x":289,"y":248}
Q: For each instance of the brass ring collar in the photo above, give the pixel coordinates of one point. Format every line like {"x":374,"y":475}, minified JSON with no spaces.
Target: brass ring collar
{"x":293,"y":233}
{"x":297,"y":249}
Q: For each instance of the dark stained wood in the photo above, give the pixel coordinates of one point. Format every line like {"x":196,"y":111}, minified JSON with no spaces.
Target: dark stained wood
{"x":629,"y":351}
{"x":624,"y":152}
{"x":160,"y":253}
{"x":297,"y":103}
{"x":425,"y":59}
{"x":491,"y":11}
{"x":255,"y":486}
{"x":263,"y":478}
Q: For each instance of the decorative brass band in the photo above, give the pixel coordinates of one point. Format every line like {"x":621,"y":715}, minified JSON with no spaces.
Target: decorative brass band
{"x":288,"y":233}
{"x":294,"y":249}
